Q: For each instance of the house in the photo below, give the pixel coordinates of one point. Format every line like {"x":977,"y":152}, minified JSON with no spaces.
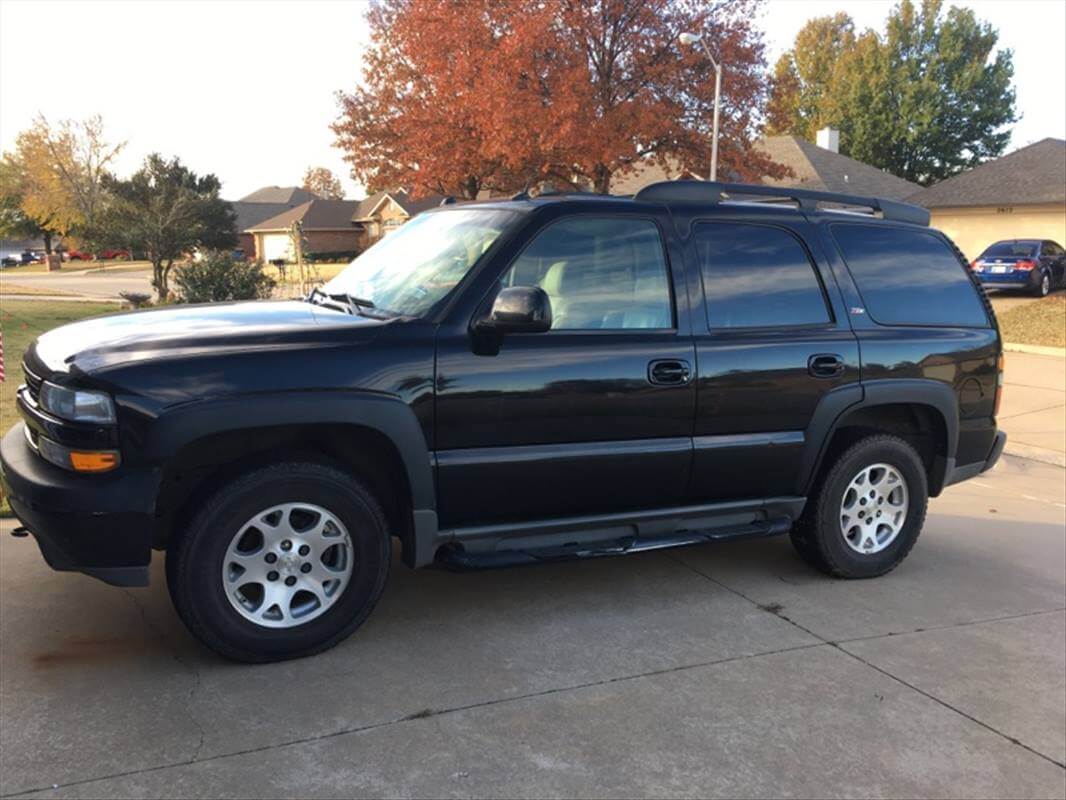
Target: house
{"x":327,"y":229}
{"x":648,"y":171}
{"x":821,"y":167}
{"x":261,"y":205}
{"x":385,"y":211}
{"x":1021,"y":195}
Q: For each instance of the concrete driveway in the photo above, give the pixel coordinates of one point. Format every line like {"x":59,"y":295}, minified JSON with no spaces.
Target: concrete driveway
{"x":721,"y":670}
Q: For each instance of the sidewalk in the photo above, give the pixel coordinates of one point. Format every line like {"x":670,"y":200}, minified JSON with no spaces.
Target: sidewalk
{"x":1033,"y":412}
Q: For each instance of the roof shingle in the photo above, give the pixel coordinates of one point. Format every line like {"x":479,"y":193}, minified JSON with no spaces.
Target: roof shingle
{"x":290,"y":195}
{"x":816,"y":168}
{"x":317,"y":214}
{"x":1033,"y":174}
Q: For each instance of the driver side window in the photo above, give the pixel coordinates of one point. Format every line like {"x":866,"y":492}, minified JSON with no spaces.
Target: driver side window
{"x":600,"y":273}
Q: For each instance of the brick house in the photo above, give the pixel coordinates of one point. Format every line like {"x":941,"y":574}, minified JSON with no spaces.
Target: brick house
{"x":383,"y":212}
{"x":327,"y":228}
{"x":261,"y":205}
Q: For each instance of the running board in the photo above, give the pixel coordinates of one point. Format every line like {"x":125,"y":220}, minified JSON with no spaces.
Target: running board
{"x":457,"y":558}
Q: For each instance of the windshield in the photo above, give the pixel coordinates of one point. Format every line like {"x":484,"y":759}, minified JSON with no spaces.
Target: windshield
{"x":1010,"y":250}
{"x":409,"y":271}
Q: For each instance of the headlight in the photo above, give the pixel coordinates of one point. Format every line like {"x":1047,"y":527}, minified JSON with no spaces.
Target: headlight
{"x":77,"y":405}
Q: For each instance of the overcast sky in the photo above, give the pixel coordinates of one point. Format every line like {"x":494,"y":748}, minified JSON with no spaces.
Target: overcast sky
{"x":246,"y":89}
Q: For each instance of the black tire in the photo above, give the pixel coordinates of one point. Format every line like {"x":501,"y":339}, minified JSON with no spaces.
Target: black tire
{"x":195,"y":558}
{"x":817,"y":536}
{"x":1043,"y":285}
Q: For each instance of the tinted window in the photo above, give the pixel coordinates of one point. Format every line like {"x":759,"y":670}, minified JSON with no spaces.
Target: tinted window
{"x":755,"y":276}
{"x":1010,"y":250}
{"x":1052,"y":249}
{"x":909,"y":277}
{"x":600,"y":274}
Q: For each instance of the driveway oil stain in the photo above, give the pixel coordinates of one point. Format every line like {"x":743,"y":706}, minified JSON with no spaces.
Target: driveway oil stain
{"x":79,"y":651}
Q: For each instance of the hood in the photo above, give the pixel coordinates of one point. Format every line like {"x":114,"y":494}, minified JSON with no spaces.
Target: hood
{"x":92,"y":344}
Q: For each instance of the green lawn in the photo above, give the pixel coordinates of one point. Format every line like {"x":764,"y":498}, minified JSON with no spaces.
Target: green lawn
{"x":1042,"y":322}
{"x":22,"y":321}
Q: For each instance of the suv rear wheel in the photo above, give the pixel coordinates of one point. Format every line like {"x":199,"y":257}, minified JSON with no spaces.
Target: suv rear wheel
{"x":867,"y":511}
{"x":285,"y":561}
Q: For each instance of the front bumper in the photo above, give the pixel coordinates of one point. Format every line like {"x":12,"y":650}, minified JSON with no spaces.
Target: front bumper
{"x":967,"y":471}
{"x":100,"y":525}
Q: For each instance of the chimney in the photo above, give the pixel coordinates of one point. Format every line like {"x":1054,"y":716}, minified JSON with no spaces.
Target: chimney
{"x":829,"y":139}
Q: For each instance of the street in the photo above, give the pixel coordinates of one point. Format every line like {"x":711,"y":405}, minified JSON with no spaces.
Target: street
{"x":87,"y":284}
{"x":719,"y":670}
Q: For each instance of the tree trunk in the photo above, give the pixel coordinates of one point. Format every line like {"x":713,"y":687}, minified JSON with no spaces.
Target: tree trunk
{"x":47,"y":242}
{"x":601,"y":179}
{"x":159,"y":281}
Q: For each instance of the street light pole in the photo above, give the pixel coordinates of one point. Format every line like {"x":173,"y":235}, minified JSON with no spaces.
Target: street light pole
{"x":692,"y":38}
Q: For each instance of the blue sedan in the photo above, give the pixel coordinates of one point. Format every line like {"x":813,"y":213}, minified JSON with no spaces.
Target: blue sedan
{"x":1036,"y":265}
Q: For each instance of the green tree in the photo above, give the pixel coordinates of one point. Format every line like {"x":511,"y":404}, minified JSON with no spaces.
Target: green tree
{"x":924,"y":100}
{"x":167,"y":211}
{"x":804,"y":75}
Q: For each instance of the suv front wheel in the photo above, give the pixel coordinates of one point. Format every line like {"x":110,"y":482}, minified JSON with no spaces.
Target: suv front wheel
{"x":867,"y":510}
{"x":285,"y":561}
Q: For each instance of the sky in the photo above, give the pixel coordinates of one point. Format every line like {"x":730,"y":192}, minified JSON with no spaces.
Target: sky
{"x":246,"y":88}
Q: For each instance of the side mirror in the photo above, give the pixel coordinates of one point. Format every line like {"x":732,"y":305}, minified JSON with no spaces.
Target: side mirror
{"x":520,"y":309}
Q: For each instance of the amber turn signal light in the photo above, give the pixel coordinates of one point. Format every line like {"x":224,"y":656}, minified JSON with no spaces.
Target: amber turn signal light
{"x":95,"y":461}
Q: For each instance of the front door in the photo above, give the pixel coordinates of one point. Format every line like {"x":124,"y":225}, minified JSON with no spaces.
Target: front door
{"x":594,"y":415}
{"x":769,"y":347}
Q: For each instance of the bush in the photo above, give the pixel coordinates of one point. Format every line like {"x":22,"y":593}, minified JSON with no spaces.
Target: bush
{"x":219,"y":277}
{"x":340,"y":255}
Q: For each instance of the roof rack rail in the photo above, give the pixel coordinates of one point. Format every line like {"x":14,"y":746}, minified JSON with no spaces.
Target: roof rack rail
{"x":709,"y":192}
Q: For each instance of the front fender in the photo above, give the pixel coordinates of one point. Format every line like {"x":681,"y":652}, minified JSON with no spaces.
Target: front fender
{"x":385,"y":414}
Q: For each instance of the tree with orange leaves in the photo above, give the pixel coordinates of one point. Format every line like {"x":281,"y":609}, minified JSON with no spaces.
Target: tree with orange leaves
{"x":461,"y":96}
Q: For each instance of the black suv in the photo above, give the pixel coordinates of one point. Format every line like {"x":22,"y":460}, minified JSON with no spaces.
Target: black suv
{"x":510,"y":382}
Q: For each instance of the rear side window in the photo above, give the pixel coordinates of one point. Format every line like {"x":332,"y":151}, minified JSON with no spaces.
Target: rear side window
{"x":909,"y":277}
{"x":755,"y":276}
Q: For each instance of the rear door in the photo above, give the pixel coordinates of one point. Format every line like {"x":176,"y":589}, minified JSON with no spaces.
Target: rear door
{"x":772,"y":342}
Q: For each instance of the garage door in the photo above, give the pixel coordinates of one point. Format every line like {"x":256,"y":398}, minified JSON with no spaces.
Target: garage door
{"x":277,"y":245}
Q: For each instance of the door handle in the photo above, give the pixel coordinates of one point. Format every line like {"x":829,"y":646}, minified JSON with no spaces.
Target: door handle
{"x":825,"y":365}
{"x":669,"y":372}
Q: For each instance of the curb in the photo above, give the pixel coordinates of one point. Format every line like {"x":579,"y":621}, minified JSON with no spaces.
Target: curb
{"x":1035,"y":349}
{"x":1019,"y":450}
{"x":78,"y":298}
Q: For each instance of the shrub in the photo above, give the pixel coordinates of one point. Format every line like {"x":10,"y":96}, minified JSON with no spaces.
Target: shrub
{"x":219,"y":277}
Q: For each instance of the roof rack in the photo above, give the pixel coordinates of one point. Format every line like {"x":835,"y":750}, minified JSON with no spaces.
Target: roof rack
{"x":709,"y":192}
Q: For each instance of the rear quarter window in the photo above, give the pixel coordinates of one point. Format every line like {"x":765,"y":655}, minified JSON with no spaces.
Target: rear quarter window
{"x":909,"y":277}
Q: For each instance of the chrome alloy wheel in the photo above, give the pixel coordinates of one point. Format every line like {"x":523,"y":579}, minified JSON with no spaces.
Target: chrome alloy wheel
{"x":287,"y":565}
{"x":874,"y":509}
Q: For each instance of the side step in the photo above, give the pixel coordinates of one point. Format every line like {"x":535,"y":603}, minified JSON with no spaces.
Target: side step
{"x":456,"y":558}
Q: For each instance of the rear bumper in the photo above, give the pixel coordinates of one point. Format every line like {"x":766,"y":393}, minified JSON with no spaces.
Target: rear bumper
{"x":99,"y":525}
{"x":1029,"y":279}
{"x":967,"y":471}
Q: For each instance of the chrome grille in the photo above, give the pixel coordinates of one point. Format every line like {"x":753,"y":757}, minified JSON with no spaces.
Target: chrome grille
{"x":33,"y":382}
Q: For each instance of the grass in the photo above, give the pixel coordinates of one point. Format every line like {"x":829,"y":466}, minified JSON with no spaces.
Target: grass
{"x":1042,"y":322}
{"x":22,"y":322}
